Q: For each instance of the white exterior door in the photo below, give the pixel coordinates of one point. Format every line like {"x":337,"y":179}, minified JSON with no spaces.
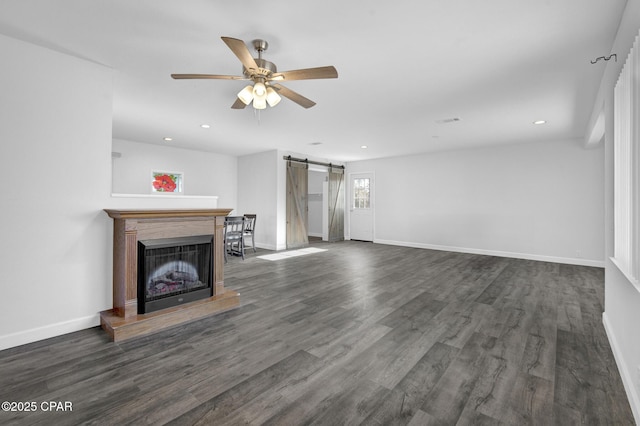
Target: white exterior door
{"x":361,"y":205}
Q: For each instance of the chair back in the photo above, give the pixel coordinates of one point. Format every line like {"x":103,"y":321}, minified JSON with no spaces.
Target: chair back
{"x":249,"y":223}
{"x":233,"y":227}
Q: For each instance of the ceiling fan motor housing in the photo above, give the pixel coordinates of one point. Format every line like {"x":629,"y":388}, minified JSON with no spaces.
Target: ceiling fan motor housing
{"x":265,"y":68}
{"x":260,"y":45}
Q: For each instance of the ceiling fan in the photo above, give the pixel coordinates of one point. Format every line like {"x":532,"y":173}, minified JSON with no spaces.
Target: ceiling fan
{"x":266,"y":88}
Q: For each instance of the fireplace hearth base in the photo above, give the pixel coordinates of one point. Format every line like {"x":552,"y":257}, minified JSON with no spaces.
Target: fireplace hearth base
{"x":122,"y":328}
{"x":130,"y":226}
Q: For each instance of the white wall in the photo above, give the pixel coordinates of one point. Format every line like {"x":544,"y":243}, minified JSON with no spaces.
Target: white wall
{"x":281,"y":207}
{"x":55,"y":155}
{"x":538,"y":201}
{"x":258,"y":193}
{"x":205,"y":173}
{"x":55,"y":159}
{"x":622,"y":299}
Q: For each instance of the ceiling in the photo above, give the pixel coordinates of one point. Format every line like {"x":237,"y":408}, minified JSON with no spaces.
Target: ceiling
{"x":406,"y":69}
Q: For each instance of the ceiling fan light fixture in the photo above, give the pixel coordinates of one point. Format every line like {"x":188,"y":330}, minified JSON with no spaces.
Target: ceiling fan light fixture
{"x":260,"y":102}
{"x":259,"y":90}
{"x":273,"y":98}
{"x":246,"y":95}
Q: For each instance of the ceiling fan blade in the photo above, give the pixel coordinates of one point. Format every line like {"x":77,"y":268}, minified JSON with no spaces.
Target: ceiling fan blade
{"x":242,"y":52}
{"x":238,"y":104}
{"x":306,"y":74}
{"x":207,"y":76}
{"x":294,"y":96}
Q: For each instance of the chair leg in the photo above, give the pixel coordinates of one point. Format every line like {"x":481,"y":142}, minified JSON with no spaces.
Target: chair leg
{"x":253,"y":242}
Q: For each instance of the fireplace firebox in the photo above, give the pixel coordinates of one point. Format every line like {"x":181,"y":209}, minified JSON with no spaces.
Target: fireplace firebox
{"x":173,"y":271}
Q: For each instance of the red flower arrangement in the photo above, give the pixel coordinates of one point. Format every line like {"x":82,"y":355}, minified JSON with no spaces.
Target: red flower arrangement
{"x":164,"y":182}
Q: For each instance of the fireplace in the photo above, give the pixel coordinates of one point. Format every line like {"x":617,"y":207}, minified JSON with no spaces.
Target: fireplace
{"x":173,"y":271}
{"x":157,"y":231}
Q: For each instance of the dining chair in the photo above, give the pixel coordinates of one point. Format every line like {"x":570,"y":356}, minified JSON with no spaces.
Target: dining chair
{"x":233,"y":236}
{"x":250,"y":228}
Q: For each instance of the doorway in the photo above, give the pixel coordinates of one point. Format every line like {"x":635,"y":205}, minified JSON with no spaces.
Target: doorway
{"x":361,"y":205}
{"x":315,"y":202}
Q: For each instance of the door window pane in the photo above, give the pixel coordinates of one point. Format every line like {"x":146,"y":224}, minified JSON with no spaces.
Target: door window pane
{"x":361,"y":193}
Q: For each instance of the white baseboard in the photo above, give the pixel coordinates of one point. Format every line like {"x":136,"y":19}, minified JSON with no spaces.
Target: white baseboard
{"x":627,"y":377}
{"x":48,"y":331}
{"x":554,"y":259}
{"x":269,"y":246}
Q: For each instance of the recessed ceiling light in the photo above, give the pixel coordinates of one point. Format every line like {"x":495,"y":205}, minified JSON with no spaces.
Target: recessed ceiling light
{"x":364,"y":146}
{"x":168,"y":139}
{"x":205,"y":126}
{"x":315,"y":143}
{"x":540,"y":122}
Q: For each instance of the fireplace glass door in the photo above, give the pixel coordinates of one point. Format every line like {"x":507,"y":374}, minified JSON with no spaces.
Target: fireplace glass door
{"x":173,"y":271}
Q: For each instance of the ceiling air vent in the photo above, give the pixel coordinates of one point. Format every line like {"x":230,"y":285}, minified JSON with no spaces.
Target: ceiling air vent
{"x":448,"y":120}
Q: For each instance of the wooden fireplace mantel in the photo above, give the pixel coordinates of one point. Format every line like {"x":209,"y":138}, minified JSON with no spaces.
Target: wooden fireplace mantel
{"x":131,"y":226}
{"x":151,"y":214}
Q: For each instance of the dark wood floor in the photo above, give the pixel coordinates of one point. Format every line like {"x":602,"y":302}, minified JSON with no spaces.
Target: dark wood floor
{"x":360,"y":334}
